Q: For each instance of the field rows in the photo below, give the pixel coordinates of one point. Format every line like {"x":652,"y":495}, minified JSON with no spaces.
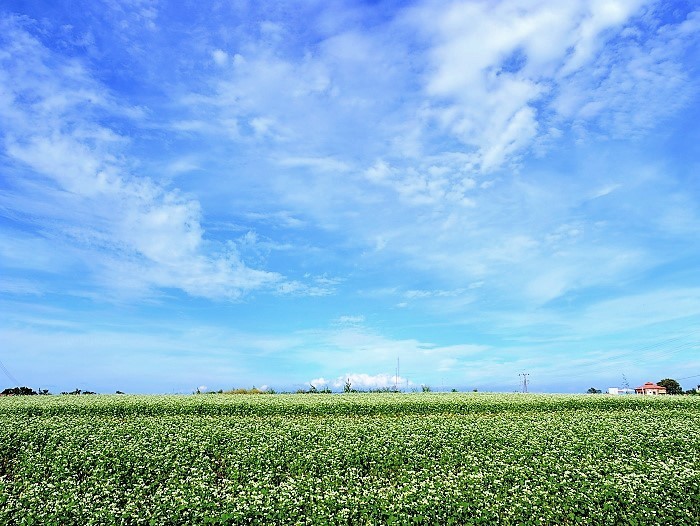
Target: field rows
{"x":355,"y":459}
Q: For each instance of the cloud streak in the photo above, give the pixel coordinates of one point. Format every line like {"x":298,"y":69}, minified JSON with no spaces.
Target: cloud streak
{"x":148,"y":236}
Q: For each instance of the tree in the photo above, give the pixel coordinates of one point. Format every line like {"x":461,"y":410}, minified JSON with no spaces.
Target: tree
{"x":18,"y":391}
{"x":593,"y":390}
{"x":672,"y":386}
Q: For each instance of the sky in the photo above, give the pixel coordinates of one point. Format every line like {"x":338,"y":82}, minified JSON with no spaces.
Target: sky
{"x":284,"y":194}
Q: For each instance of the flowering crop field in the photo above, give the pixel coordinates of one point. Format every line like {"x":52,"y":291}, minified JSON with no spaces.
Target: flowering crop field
{"x":350,"y":459}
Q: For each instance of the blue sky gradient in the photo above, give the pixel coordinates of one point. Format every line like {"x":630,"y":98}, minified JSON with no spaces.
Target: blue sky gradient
{"x":279,"y":193}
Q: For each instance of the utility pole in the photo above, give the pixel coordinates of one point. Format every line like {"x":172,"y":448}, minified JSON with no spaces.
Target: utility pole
{"x":396,"y":379}
{"x":625,"y":383}
{"x":524,"y":377}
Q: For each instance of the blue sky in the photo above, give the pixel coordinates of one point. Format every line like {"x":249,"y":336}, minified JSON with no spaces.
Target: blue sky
{"x":279,"y":193}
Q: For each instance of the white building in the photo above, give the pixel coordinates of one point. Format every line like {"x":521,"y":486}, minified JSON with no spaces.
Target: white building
{"x":620,"y":390}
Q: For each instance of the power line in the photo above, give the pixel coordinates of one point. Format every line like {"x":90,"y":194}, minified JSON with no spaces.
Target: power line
{"x":659,"y":349}
{"x":7,"y":373}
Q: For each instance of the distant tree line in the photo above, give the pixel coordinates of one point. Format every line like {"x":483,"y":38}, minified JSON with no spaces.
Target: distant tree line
{"x":28,"y":391}
{"x":78,"y":392}
{"x":348,"y":388}
{"x":312,"y":389}
{"x":237,"y":390}
{"x":23,"y":391}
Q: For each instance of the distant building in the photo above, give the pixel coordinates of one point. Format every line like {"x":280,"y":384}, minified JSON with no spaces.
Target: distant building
{"x":650,"y":388}
{"x":620,"y":390}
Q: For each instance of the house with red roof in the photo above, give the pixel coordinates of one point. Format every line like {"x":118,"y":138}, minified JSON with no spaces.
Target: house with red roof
{"x":650,"y":388}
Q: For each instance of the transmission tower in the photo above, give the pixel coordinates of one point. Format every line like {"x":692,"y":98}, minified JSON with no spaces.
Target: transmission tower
{"x":524,"y":381}
{"x":625,"y":383}
{"x":396,"y":378}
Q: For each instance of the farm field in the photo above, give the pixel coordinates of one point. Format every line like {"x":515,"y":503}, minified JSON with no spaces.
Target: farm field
{"x":350,"y":459}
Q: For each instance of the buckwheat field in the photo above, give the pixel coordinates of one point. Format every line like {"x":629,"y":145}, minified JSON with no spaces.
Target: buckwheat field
{"x":350,"y":459}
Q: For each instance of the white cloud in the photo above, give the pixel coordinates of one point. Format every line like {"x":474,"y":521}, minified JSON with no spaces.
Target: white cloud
{"x":498,"y":77}
{"x":139,"y":234}
{"x":21,"y":251}
{"x":419,"y":294}
{"x":357,"y":348}
{"x":263,"y":126}
{"x":363,"y":381}
{"x":350,"y":320}
{"x":634,"y":311}
{"x":605,"y":190}
{"x":434,"y":182}
{"x":220,"y":57}
{"x":282,"y":218}
{"x":498,"y":72}
{"x":324,"y":164}
{"x":183,"y":165}
{"x":502,"y":79}
{"x":303,"y":289}
{"x":20,"y":286}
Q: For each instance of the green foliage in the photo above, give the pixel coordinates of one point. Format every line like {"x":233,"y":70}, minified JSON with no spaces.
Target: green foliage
{"x":236,"y":391}
{"x":433,"y":458}
{"x":19,"y":391}
{"x":314,"y":390}
{"x":375,"y":390}
{"x":348,"y":388}
{"x":671,"y":385}
{"x":79,"y":392}
{"x":593,"y":390}
{"x":240,"y":390}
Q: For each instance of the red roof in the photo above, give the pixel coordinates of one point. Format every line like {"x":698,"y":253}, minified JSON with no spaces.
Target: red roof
{"x":650,"y":385}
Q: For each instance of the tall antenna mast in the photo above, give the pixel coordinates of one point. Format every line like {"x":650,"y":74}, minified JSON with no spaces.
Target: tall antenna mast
{"x":524,"y":377}
{"x":396,"y":379}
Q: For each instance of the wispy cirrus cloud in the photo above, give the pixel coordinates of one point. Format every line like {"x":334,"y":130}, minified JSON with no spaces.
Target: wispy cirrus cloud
{"x":134,"y":233}
{"x":494,"y":83}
